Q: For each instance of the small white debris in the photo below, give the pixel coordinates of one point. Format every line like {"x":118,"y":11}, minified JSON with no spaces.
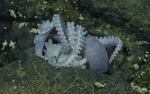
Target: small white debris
{"x":12,"y":3}
{"x":13,"y":80}
{"x":20,"y":15}
{"x":22,"y":24}
{"x":45,"y":2}
{"x":66,"y":0}
{"x":35,"y":17}
{"x":139,"y":58}
{"x":136,"y":66}
{"x":142,"y":73}
{"x":34,"y":30}
{"x":141,"y":90}
{"x":145,"y":60}
{"x":4,"y":44}
{"x":14,"y":87}
{"x":5,"y":27}
{"x":99,"y":85}
{"x":147,"y":52}
{"x":12,"y":44}
{"x":142,"y":42}
{"x":146,"y":55}
{"x":81,"y":17}
{"x":141,"y":28}
{"x":144,"y":89}
{"x":12,"y":13}
{"x":19,"y":61}
{"x":24,"y":16}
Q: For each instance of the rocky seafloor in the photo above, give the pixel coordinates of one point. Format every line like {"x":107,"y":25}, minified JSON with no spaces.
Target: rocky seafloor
{"x":21,"y":72}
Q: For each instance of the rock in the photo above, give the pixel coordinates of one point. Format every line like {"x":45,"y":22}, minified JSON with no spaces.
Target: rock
{"x":127,"y":15}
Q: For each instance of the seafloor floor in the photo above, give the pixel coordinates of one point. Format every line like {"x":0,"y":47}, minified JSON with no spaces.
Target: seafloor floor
{"x":21,"y":72}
